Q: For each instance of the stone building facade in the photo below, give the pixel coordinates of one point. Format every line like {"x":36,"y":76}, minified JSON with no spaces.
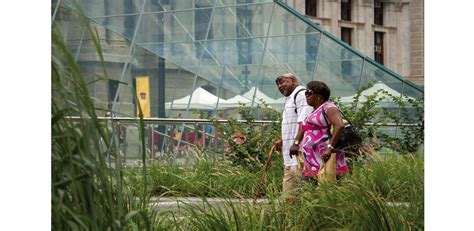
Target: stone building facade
{"x":389,"y":31}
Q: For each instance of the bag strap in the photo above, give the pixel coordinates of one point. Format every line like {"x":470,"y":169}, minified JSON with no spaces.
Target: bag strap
{"x":329,"y":127}
{"x":294,"y":100}
{"x":324,"y":116}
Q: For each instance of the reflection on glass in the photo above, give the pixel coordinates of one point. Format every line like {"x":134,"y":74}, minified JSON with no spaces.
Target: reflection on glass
{"x":232,"y":49}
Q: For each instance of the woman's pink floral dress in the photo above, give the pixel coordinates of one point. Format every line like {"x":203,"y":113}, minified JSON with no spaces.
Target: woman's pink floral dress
{"x":315,"y":142}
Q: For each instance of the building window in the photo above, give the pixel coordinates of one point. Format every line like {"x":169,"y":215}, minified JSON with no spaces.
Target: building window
{"x":311,"y":7}
{"x":378,"y":12}
{"x":378,"y":47}
{"x":346,"y":10}
{"x":346,"y":35}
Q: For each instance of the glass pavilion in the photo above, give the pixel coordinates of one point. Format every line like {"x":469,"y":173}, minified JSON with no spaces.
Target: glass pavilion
{"x":231,"y":49}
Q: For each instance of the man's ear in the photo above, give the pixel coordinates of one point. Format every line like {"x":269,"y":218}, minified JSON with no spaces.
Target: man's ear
{"x":294,"y":81}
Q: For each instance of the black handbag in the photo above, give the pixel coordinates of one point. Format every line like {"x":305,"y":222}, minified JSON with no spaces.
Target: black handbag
{"x":350,"y":136}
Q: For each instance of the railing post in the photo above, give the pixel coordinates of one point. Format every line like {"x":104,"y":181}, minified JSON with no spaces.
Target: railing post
{"x":152,"y":146}
{"x":195,"y":133}
{"x":216,"y":136}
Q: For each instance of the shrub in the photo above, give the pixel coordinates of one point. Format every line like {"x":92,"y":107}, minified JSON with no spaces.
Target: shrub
{"x":257,"y":139}
{"x":410,"y":138}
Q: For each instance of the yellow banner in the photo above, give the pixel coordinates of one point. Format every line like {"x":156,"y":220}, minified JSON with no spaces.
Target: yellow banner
{"x":143,"y":95}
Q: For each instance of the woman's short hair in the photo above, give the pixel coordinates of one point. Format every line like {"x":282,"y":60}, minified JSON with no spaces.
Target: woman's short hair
{"x":319,"y":88}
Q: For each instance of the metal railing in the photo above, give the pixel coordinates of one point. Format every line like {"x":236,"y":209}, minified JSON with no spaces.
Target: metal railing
{"x":166,"y":136}
{"x":175,"y":137}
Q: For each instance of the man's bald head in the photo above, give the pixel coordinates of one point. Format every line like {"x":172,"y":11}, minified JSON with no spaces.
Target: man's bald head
{"x":287,"y":75}
{"x":286,"y":83}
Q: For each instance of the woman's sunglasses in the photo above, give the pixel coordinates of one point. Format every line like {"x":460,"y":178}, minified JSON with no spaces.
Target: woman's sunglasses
{"x":309,"y":93}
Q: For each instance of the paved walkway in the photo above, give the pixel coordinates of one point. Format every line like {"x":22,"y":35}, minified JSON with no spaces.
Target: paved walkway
{"x":176,"y":203}
{"x":163,"y":203}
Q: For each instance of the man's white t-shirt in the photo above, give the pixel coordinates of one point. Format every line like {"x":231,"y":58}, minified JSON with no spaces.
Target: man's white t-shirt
{"x":290,"y":120}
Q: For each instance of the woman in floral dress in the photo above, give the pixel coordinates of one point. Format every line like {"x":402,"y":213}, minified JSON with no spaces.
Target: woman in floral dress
{"x":317,"y":144}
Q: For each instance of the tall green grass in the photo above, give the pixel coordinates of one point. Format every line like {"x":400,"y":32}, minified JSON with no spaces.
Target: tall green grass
{"x":211,"y":176}
{"x":86,"y":194}
{"x":383,"y":194}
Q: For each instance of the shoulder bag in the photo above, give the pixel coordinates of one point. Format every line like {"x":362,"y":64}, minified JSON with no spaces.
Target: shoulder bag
{"x":350,"y":135}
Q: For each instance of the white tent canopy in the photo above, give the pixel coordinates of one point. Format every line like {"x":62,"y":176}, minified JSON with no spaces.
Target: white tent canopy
{"x":260,"y":95}
{"x":204,"y":100}
{"x":371,"y":91}
{"x":234,"y":102}
{"x":201,"y":99}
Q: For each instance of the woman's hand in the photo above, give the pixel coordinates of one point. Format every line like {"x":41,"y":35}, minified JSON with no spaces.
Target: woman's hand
{"x":327,"y":154}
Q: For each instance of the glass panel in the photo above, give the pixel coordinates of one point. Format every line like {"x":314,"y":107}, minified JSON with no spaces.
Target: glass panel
{"x":184,"y":54}
{"x":230,"y":22}
{"x":162,"y":5}
{"x":70,"y":29}
{"x":297,"y":5}
{"x":243,"y":77}
{"x":338,"y":67}
{"x":240,"y":2}
{"x":124,"y":26}
{"x":231,"y":52}
{"x":285,"y":23}
{"x":100,"y":8}
{"x":384,"y":81}
{"x":212,"y":74}
{"x":235,"y":85}
{"x":162,"y":27}
{"x":186,"y":20}
{"x":241,"y":21}
{"x":291,"y":49}
{"x":172,"y":5}
{"x":410,"y":91}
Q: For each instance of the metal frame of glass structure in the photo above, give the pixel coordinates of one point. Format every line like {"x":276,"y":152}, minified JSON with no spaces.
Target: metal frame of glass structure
{"x":232,"y":48}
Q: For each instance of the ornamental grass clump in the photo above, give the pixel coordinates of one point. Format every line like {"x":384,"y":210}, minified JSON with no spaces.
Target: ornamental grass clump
{"x":385,"y":194}
{"x":86,"y":194}
{"x":211,"y":176}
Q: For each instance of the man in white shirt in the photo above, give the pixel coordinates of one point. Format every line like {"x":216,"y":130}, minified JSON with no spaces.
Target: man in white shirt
{"x":295,"y":111}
